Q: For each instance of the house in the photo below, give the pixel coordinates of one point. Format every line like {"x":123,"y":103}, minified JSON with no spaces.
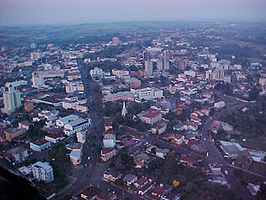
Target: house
{"x":107,"y":154}
{"x":24,"y":124}
{"x":253,"y":189}
{"x":141,"y":182}
{"x":168,"y":136}
{"x":130,"y":179}
{"x":159,"y":128}
{"x":192,"y":126}
{"x":143,"y":190}
{"x":178,"y":139}
{"x":141,"y":159}
{"x":206,"y":111}
{"x":19,"y":154}
{"x":179,"y":127}
{"x":191,"y":137}
{"x":90,"y":194}
{"x":40,"y":145}
{"x":157,"y":192}
{"x":186,"y":160}
{"x":161,"y":153}
{"x":195,"y":119}
{"x":112,"y":175}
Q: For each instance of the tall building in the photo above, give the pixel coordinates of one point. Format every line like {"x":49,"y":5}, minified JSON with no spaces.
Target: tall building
{"x":148,"y":63}
{"x":218,"y":74}
{"x":12,"y":100}
{"x":166,"y":60}
{"x":37,"y":80}
{"x":160,"y":63}
{"x":181,"y":64}
{"x":115,"y":40}
{"x":43,"y":171}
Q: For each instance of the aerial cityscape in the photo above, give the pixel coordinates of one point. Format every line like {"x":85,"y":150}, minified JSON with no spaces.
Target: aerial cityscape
{"x":132,"y":106}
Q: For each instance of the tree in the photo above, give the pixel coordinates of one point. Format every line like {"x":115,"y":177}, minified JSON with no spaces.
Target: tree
{"x":254,"y":93}
{"x":153,"y":150}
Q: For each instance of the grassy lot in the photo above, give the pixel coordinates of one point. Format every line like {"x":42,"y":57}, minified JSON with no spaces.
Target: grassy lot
{"x":257,"y":143}
{"x":258,"y":168}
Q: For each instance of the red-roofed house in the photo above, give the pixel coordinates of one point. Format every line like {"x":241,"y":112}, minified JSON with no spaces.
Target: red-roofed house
{"x":178,"y":139}
{"x":145,"y":188}
{"x":187,"y":160}
{"x":141,"y":182}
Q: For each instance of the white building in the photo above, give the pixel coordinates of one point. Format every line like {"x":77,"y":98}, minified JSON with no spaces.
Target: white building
{"x":12,"y":100}
{"x":75,"y":157}
{"x":64,"y":120}
{"x":219,"y":104}
{"x":148,"y":93}
{"x":79,"y":124}
{"x":109,"y":140}
{"x":43,"y":171}
{"x":96,"y":73}
{"x":81,"y":136}
{"x":120,"y":73}
{"x":74,"y":86}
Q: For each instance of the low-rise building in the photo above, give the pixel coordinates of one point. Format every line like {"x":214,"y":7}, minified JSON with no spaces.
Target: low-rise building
{"x":12,"y":133}
{"x":130,"y":179}
{"x":107,"y":154}
{"x":24,"y":124}
{"x":19,"y":154}
{"x":150,"y":116}
{"x":53,"y":138}
{"x":112,"y":175}
{"x":40,"y":145}
{"x":231,"y":149}
{"x":79,"y":124}
{"x":75,"y":157}
{"x":109,"y":140}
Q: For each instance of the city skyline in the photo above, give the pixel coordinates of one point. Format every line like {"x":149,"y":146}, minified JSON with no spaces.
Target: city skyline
{"x":31,"y":12}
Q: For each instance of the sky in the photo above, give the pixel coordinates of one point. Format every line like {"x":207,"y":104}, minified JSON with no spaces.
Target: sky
{"x":27,"y":12}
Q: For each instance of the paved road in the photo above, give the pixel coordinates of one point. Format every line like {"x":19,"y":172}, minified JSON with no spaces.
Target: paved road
{"x":215,"y":155}
{"x":90,"y":172}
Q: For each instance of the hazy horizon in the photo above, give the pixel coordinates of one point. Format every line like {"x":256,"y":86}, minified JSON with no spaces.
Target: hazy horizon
{"x":33,"y":12}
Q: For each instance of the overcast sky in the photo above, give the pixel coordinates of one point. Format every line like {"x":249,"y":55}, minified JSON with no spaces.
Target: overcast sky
{"x":20,"y":12}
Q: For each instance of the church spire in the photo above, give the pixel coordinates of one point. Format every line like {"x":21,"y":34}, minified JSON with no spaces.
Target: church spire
{"x":124,"y":109}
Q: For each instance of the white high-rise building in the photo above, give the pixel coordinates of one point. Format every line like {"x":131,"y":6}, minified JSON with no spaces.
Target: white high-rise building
{"x":166,"y":59}
{"x":148,"y":68}
{"x":43,"y":171}
{"x":37,"y":80}
{"x":148,"y":63}
{"x":12,"y":100}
